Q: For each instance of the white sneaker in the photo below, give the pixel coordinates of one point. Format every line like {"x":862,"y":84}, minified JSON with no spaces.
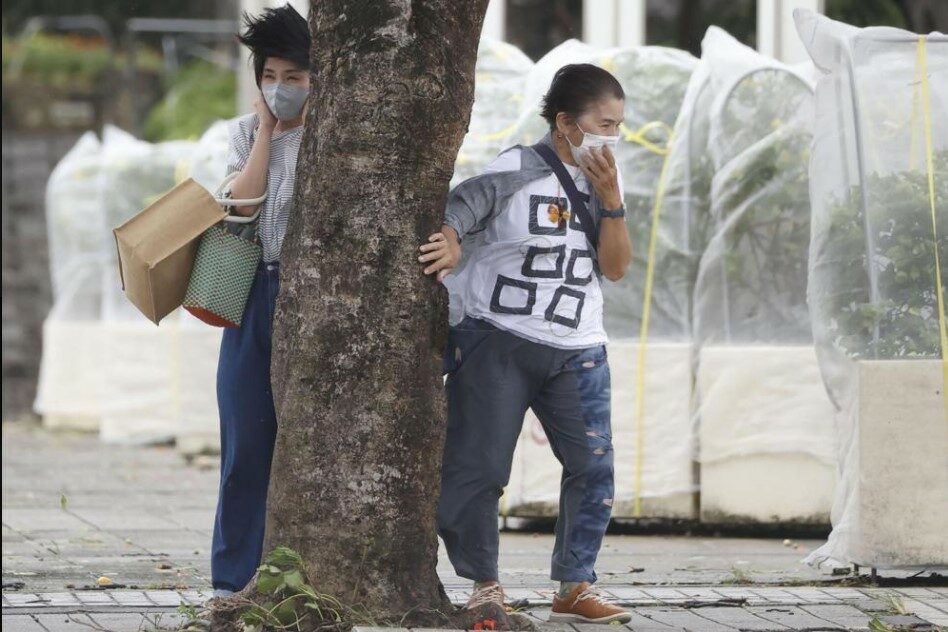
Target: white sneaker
{"x":492,"y":593}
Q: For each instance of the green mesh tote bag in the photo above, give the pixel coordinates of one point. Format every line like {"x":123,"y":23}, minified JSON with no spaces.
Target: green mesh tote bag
{"x":225,"y":265}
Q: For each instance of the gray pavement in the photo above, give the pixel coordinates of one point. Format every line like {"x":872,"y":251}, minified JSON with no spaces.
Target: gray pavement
{"x":77,"y":513}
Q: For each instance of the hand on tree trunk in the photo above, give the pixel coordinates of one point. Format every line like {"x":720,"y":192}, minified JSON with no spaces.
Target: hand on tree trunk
{"x":442,"y":252}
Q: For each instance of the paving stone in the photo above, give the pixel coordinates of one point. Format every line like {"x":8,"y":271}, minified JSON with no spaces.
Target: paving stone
{"x":23,"y":599}
{"x":68,"y":622}
{"x":905,"y":622}
{"x":737,"y":592}
{"x":133,"y":598}
{"x":168,"y":620}
{"x":739,"y":618}
{"x":60,"y":599}
{"x":841,"y":615}
{"x":34,"y":520}
{"x":638,"y":623}
{"x":843,"y":593}
{"x":122,"y":621}
{"x":95,"y":598}
{"x":700,"y":594}
{"x":925,"y":611}
{"x":681,"y":618}
{"x":918,"y":593}
{"x":940,"y":604}
{"x":812,"y":595}
{"x":665,"y":594}
{"x":627,"y":594}
{"x":166,"y":598}
{"x":791,"y":617}
{"x":125,"y":520}
{"x":21,"y":623}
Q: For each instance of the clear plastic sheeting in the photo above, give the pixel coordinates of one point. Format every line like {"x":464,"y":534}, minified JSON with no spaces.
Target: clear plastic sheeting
{"x":499,"y":75}
{"x":67,"y":390}
{"x":140,"y":376}
{"x":879,"y":245}
{"x":758,"y":387}
{"x":207,"y":163}
{"x":105,"y":367}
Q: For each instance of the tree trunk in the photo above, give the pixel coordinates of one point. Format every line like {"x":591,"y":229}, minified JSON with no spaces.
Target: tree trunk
{"x":359,"y":330}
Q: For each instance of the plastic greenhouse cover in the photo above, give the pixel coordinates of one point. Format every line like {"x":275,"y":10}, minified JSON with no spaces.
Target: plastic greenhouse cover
{"x":750,"y":312}
{"x":880,"y":143}
{"x":873,"y":278}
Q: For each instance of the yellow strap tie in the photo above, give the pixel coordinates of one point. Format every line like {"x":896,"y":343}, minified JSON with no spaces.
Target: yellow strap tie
{"x":639,"y":136}
{"x":930,"y":164}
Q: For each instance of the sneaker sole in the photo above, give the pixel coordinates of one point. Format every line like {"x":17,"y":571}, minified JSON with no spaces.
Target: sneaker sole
{"x":563,"y":617}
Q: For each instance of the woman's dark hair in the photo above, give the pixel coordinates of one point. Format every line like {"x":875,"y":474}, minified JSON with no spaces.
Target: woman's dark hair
{"x":574,"y":87}
{"x":280,"y":32}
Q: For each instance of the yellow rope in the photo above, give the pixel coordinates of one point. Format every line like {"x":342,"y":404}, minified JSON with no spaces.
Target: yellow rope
{"x":638,"y":136}
{"x":929,"y":161}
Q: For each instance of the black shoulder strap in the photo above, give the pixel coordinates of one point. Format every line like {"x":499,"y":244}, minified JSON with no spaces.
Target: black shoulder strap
{"x":575,"y":197}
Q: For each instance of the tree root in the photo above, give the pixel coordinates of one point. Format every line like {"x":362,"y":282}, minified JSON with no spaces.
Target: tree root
{"x":225,"y":615}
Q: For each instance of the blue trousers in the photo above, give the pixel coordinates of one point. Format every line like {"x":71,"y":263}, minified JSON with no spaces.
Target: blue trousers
{"x":248,"y":430}
{"x":493,"y":378}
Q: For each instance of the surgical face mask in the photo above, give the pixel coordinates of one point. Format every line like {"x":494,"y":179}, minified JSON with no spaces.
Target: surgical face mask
{"x":590,"y":141}
{"x":285,"y":101}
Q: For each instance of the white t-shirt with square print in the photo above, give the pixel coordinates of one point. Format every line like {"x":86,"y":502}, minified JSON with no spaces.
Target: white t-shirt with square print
{"x":529,"y":275}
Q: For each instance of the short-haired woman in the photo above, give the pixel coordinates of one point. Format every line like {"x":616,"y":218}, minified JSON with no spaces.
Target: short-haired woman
{"x":539,"y":228}
{"x":264,"y":147}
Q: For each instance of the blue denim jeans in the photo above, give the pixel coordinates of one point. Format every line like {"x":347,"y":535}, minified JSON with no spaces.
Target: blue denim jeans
{"x":248,"y":430}
{"x":494,"y":376}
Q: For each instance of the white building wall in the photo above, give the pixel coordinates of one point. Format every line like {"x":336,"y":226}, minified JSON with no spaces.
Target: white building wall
{"x":776,"y":34}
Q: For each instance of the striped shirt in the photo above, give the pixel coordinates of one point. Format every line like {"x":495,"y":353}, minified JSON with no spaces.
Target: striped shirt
{"x":281,"y":178}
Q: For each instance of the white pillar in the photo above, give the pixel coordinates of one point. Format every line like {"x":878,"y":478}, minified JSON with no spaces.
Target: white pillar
{"x":495,"y":19}
{"x":776,"y":35}
{"x":246,"y":82}
{"x":631,"y":23}
{"x":600,"y":23}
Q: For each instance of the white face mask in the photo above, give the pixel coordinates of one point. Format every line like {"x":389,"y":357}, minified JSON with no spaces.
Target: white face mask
{"x":590,"y":141}
{"x":285,"y":101}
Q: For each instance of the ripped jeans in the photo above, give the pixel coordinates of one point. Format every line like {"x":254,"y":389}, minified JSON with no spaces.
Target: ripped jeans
{"x":493,"y":377}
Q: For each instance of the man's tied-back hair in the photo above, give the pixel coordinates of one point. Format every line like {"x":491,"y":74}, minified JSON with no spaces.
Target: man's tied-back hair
{"x":280,"y":32}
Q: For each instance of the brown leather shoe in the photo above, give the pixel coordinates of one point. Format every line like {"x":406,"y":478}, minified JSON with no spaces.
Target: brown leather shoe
{"x":587,"y":605}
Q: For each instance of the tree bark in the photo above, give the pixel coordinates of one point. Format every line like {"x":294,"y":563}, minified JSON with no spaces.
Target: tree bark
{"x":359,"y":330}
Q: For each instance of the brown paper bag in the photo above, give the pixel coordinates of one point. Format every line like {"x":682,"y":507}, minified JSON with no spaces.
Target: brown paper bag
{"x":156,"y":248}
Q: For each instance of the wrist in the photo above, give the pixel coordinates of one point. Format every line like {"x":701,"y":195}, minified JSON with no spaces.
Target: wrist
{"x":612,"y":214}
{"x":450,"y":234}
{"x":612,"y":203}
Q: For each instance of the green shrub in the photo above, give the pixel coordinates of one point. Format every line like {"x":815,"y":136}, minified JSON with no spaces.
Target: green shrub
{"x":197,"y":95}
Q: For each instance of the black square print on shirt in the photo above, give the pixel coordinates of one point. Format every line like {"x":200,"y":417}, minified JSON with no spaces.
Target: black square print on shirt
{"x":574,"y":221}
{"x":577,"y":258}
{"x":519,"y":297}
{"x":571,"y":310}
{"x":531,"y":267}
{"x":539,"y":208}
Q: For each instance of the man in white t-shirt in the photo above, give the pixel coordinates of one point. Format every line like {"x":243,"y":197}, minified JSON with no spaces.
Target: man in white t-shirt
{"x":537,"y":231}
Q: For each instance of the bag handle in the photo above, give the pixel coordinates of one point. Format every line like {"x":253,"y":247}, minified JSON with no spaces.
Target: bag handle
{"x":227,"y":201}
{"x":575,"y":197}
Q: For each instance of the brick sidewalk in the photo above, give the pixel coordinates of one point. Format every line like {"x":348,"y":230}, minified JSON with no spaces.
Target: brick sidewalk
{"x":75,"y":510}
{"x":655,"y":609}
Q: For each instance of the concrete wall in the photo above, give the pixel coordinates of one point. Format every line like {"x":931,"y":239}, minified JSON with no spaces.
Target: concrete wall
{"x":28,"y":160}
